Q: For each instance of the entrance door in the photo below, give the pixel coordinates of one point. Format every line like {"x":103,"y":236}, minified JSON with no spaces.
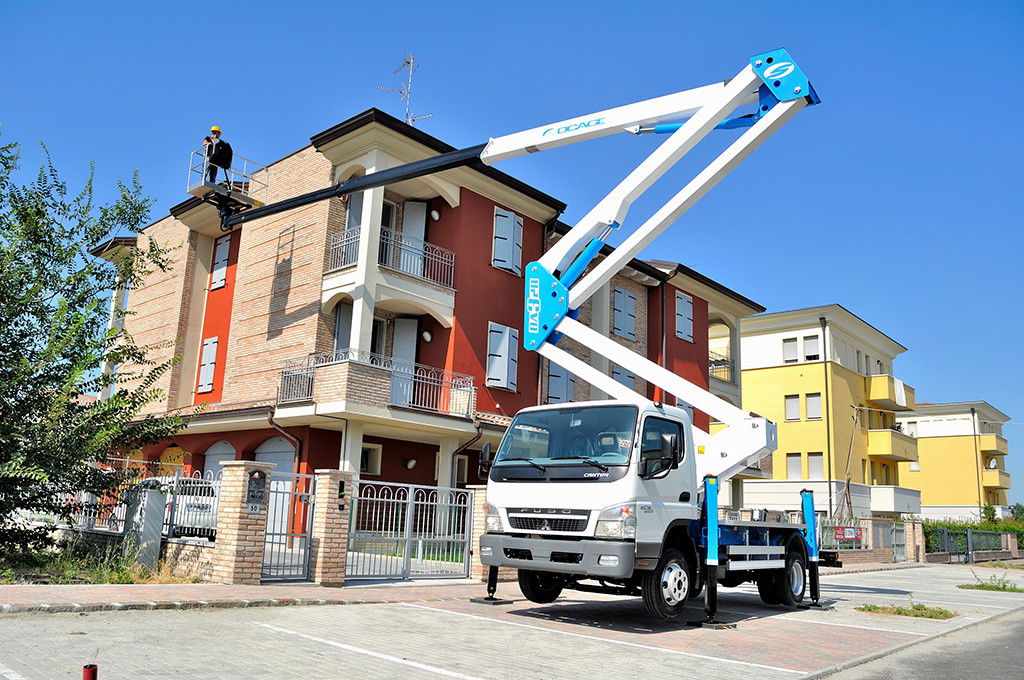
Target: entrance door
{"x":220,"y":451}
{"x":414,"y":231}
{"x":403,"y":356}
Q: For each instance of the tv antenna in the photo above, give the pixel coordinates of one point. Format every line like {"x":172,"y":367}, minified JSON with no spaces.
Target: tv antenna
{"x":410,"y":64}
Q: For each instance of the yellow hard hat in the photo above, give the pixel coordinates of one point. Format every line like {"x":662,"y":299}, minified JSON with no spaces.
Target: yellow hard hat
{"x":214,"y":128}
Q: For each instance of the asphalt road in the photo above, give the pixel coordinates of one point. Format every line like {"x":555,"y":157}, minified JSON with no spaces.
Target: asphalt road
{"x":993,"y":650}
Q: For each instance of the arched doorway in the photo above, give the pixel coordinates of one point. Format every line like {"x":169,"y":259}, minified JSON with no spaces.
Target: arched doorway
{"x":280,"y":452}
{"x":219,"y":451}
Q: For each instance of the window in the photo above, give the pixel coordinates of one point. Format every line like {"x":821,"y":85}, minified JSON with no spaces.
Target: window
{"x":792,"y":407}
{"x":915,"y":466}
{"x":502,"y":356}
{"x":461,"y":469}
{"x":793,"y":466}
{"x":860,"y":368}
{"x":561,"y":384}
{"x":386,"y":251}
{"x":207,"y":365}
{"x":811,"y":351}
{"x":369,"y":459}
{"x":684,"y":316}
{"x":624,"y":314}
{"x":867,"y":364}
{"x":627,"y":378}
{"x":789,"y":352}
{"x":814,"y":406}
{"x":354,"y":211}
{"x":650,"y":442}
{"x":815,"y":466}
{"x":342,"y":326}
{"x":219,"y":270}
{"x":507,"y":247}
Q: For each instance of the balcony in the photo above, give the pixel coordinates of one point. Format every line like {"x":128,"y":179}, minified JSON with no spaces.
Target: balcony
{"x":892,"y":445}
{"x":993,"y":445}
{"x":898,"y":499}
{"x":883,"y":391}
{"x":995,"y":479}
{"x":721,"y":368}
{"x":418,"y":259}
{"x":376,"y":380}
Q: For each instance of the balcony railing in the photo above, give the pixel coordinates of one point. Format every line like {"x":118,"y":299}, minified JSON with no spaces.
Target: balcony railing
{"x":412,"y":385}
{"x":398,"y":252}
{"x":721,"y":367}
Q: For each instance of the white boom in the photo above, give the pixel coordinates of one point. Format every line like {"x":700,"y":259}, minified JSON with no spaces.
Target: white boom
{"x":781,"y":90}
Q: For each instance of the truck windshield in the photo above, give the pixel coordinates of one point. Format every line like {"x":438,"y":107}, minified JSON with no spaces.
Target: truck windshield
{"x":570,"y":436}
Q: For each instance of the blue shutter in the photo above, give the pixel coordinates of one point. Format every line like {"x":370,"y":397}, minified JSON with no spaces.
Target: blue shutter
{"x":684,"y":316}
{"x":503,"y":248}
{"x":517,"y":245}
{"x":624,"y":317}
{"x":512,"y":354}
{"x":627,"y":378}
{"x":561,"y":384}
{"x":496,"y":375}
{"x":207,"y":365}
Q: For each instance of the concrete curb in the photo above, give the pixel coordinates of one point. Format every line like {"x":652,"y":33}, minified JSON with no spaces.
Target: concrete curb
{"x":825,"y":672}
{"x":200,"y":604}
{"x":831,"y":571}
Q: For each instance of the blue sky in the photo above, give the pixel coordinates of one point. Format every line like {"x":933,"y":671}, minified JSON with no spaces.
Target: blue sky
{"x":892,"y":198}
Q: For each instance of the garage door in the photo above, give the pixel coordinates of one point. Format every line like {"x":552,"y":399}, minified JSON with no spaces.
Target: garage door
{"x":214,"y":455}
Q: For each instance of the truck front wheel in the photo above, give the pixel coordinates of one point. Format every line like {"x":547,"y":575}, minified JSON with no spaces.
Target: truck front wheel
{"x":539,"y":586}
{"x":665,"y":588}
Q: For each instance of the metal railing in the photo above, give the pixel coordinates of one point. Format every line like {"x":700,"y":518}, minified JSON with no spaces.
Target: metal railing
{"x":400,"y":253}
{"x":192,"y":502}
{"x":413,"y":385}
{"x":344,"y":249}
{"x":721,"y":367}
{"x":244,"y":176}
{"x":843,"y":534}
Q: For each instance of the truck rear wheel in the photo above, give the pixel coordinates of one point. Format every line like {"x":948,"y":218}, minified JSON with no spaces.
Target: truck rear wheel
{"x":768,"y":588}
{"x":792,"y":582}
{"x":665,"y":589}
{"x":540,"y":586}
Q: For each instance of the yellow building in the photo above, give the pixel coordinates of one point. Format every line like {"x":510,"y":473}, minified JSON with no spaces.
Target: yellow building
{"x":825,"y":376}
{"x":962,"y":452}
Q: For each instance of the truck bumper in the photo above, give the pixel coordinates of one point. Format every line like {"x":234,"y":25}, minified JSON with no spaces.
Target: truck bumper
{"x":564,"y":557}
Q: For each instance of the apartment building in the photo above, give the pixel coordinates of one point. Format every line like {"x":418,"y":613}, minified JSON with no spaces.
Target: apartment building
{"x":961,"y":464}
{"x":380,"y":332}
{"x":826,"y":377}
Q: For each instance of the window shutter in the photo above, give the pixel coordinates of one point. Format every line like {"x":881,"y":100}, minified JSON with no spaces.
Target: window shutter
{"x":561,"y":384}
{"x":792,"y":407}
{"x":219,"y":270}
{"x":512,"y":352}
{"x":517,"y":245}
{"x":627,"y":378}
{"x":684,"y":317}
{"x":503,"y":248}
{"x":789,"y":350}
{"x":624,"y":317}
{"x":207,"y":364}
{"x":814,"y":406}
{"x":811,"y":348}
{"x":495,"y":359}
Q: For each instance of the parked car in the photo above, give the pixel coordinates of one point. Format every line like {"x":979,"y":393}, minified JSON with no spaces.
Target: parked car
{"x":191,"y":505}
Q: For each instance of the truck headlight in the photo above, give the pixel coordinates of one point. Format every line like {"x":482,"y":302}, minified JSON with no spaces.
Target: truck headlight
{"x":492,"y":518}
{"x":618,"y":521}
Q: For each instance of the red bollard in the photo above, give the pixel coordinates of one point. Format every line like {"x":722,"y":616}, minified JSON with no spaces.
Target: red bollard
{"x":90,"y":671}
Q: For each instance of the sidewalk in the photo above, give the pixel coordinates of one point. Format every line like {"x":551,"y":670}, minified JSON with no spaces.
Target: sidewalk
{"x":84,"y":598}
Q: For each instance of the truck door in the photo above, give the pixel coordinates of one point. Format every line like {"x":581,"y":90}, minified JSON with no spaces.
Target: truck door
{"x":666,"y":494}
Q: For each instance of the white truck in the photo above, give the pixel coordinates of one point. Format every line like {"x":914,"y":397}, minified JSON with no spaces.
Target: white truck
{"x":621,"y":495}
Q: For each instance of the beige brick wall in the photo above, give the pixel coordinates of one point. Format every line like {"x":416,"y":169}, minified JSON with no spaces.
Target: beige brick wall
{"x":353,"y":381}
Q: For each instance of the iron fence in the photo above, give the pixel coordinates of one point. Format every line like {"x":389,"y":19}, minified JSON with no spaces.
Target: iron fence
{"x":844,"y":534}
{"x":344,"y":249}
{"x":721,"y":367}
{"x":417,"y":258}
{"x":244,"y":176}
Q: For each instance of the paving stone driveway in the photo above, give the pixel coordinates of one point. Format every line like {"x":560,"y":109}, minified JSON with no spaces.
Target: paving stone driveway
{"x":579,"y":636}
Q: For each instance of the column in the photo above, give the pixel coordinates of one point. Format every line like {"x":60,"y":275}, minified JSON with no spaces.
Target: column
{"x":329,"y":541}
{"x":241,"y":530}
{"x":351,"y":448}
{"x":445,"y":462}
{"x":600,"y":321}
{"x":364,"y":294}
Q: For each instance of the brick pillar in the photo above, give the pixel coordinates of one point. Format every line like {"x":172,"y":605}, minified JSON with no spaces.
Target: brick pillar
{"x":329,"y":540}
{"x":238,"y":552}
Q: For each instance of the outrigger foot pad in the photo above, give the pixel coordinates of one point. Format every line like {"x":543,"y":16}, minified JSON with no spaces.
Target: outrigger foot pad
{"x":713,"y":625}
{"x":489,"y":600}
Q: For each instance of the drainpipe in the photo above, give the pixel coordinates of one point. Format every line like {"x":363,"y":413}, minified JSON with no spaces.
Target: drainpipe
{"x":828,"y":412}
{"x":290,"y":437}
{"x":977,"y":459}
{"x":462,"y":447}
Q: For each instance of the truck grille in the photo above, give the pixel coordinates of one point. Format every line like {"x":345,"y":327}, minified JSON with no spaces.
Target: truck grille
{"x":561,"y":524}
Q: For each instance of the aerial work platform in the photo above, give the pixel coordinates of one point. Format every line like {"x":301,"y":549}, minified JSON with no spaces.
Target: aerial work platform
{"x":243,"y":186}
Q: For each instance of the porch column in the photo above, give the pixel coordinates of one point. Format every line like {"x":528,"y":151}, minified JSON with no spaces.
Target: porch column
{"x":445,"y":461}
{"x":365,"y":292}
{"x":241,"y":527}
{"x":600,"y":321}
{"x":351,"y":449}
{"x":329,"y":539}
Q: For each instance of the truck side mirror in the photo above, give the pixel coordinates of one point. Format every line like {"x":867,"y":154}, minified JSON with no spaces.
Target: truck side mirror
{"x":486,"y":458}
{"x":670,"y":449}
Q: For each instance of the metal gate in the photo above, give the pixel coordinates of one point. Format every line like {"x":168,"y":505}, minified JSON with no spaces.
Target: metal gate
{"x":289,"y":523}
{"x":899,"y":542}
{"x":409,"y":531}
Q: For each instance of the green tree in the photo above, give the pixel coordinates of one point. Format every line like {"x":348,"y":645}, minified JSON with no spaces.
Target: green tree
{"x":1017,"y":511}
{"x":54,"y":338}
{"x":988,"y":513}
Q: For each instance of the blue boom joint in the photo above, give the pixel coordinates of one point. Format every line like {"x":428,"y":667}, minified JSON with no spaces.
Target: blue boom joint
{"x":782,"y":77}
{"x":547,"y":303}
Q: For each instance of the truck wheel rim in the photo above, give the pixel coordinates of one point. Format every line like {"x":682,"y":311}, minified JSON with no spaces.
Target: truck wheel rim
{"x":674,"y":583}
{"x":796,"y":577}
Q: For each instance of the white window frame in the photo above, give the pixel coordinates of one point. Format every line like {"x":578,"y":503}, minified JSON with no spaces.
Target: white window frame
{"x":816,"y":339}
{"x":791,"y":399}
{"x":800,"y":465}
{"x":686,"y":332}
{"x":812,"y":456}
{"x":376,"y":455}
{"x":461,"y":469}
{"x":795,"y":344}
{"x":509,"y":342}
{"x":515,"y":243}
{"x":807,"y":405}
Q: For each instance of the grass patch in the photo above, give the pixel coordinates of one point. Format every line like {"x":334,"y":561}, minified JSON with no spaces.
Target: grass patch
{"x":995,"y":582}
{"x":918,"y":611}
{"x":69,"y":566}
{"x":999,"y":564}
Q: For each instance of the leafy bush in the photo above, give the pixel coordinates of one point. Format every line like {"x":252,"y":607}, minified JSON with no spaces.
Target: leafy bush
{"x":1015,"y":526}
{"x":72,"y":564}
